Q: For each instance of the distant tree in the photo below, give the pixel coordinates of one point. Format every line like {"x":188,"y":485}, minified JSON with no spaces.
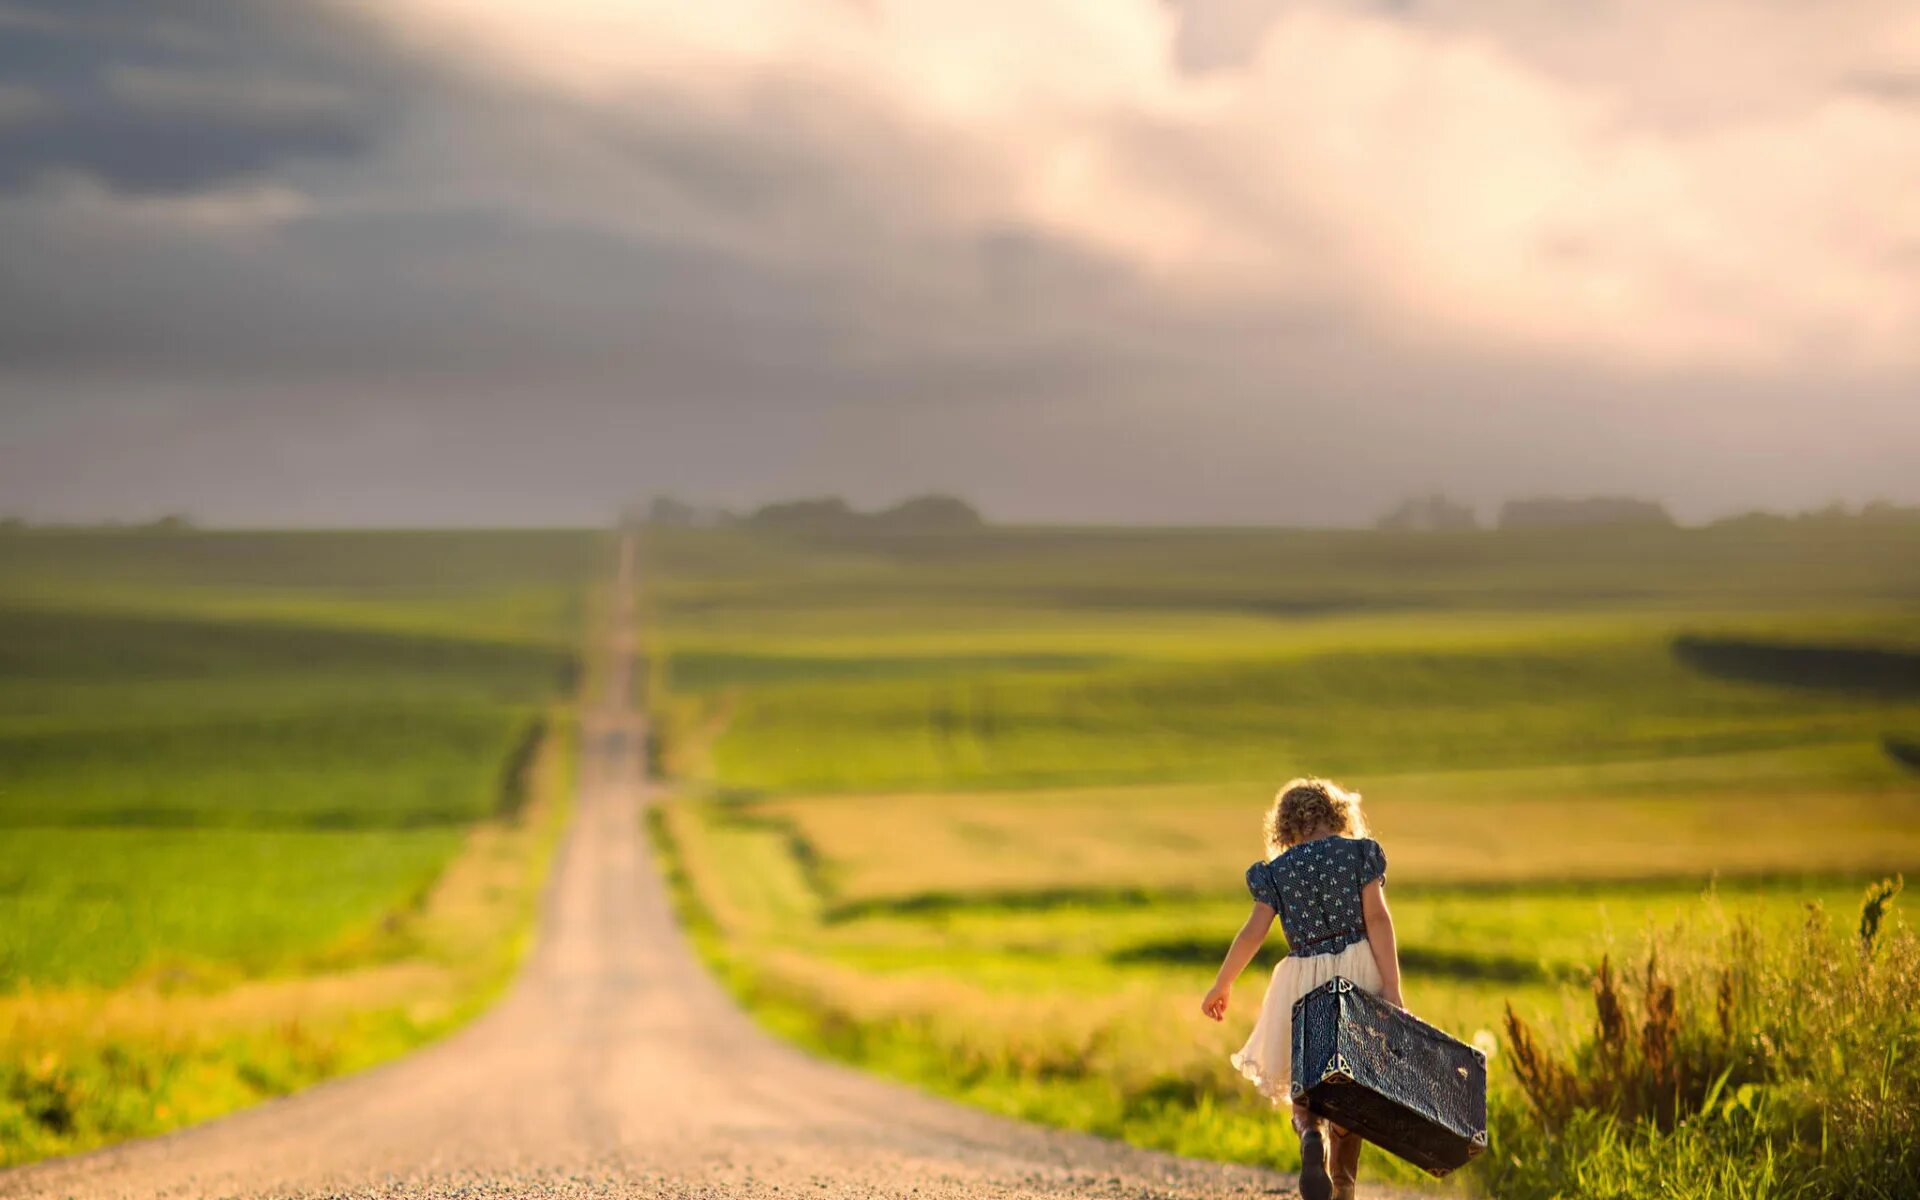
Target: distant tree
{"x":1423,"y":513}
{"x":170,"y":523}
{"x":1887,"y":510}
{"x":1757,"y":518}
{"x":931,"y":513}
{"x":1834,"y":510}
{"x":1559,"y":512}
{"x":665,"y":510}
{"x":819,"y":514}
{"x":12,"y":524}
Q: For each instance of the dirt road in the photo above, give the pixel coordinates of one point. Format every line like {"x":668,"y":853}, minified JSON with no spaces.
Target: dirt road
{"x":616,"y":1067}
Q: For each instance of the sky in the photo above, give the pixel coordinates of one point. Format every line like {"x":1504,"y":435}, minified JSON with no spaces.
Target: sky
{"x":325,"y":262}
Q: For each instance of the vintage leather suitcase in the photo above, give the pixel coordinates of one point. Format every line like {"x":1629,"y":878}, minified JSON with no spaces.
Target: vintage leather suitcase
{"x":1394,"y":1079}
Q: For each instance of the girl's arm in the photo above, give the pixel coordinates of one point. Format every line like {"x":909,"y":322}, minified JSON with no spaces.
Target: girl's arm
{"x":1386,"y":952}
{"x":1246,"y":944}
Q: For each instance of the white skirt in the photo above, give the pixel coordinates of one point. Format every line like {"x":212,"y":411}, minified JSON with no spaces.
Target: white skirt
{"x":1267,"y":1058}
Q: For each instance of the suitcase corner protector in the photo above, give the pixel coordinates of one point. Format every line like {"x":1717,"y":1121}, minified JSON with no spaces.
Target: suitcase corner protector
{"x":1337,"y":1070}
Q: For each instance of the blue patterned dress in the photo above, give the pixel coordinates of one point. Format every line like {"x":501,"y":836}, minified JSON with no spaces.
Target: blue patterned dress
{"x":1315,"y":887}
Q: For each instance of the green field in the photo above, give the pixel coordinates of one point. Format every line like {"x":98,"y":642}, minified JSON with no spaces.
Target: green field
{"x":235,"y":757}
{"x":973,"y":809}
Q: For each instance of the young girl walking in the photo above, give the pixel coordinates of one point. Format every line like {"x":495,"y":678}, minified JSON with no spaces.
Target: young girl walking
{"x":1326,"y":882}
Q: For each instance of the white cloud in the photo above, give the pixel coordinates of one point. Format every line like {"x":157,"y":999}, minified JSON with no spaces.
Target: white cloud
{"x":1670,"y":188}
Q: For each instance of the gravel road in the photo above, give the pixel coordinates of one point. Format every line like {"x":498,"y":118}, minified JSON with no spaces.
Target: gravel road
{"x":616,"y":1068}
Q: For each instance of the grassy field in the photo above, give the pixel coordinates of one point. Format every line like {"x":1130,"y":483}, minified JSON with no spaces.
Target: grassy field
{"x":242,"y":778}
{"x":973,"y":809}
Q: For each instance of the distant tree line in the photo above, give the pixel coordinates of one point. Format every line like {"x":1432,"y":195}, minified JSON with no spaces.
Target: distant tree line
{"x":1562,"y":512}
{"x":170,"y":523}
{"x":932,"y":513}
{"x":1429,"y":513}
{"x":1872,"y":511}
{"x":1438,"y":512}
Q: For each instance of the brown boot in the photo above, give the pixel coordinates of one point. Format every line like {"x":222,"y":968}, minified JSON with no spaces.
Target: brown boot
{"x":1315,"y":1183}
{"x":1343,"y":1161}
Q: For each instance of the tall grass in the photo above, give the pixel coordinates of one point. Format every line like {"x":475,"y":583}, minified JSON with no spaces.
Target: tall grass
{"x":1783,"y":1069}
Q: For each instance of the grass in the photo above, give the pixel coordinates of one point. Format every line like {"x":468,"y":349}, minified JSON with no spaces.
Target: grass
{"x":1779,"y":1067}
{"x":1564,"y":699}
{"x":272,"y":806}
{"x":1467,"y":827}
{"x":100,"y":905}
{"x":89,"y":1064}
{"x":1044,"y":658}
{"x":972,"y":810}
{"x":1078,"y":1008}
{"x":492,"y":585}
{"x":157,"y":767}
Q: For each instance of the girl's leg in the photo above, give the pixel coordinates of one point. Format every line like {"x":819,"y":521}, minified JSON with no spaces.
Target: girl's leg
{"x":1343,"y":1153}
{"x":1315,"y":1183}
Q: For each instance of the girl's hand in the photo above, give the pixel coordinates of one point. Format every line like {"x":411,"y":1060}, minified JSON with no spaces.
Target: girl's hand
{"x":1215,"y":1005}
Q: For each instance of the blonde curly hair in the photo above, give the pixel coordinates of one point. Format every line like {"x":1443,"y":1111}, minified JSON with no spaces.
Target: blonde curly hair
{"x":1306,"y":805}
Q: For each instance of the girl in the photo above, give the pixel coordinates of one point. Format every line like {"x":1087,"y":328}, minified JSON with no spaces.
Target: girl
{"x":1326,"y":883}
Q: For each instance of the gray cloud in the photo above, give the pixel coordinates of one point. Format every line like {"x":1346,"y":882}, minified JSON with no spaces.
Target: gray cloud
{"x":286,"y":263}
{"x":178,"y":95}
{"x":20,"y":104}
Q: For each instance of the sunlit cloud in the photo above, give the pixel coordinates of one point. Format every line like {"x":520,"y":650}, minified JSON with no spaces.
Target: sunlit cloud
{"x":1091,"y":257}
{"x":1422,"y":171}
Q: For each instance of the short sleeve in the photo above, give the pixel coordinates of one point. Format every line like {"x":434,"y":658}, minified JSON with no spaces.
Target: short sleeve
{"x":1260,"y":883}
{"x":1373,"y":863}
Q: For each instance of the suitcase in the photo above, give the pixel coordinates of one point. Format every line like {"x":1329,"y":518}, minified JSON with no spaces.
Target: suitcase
{"x":1393,"y":1079}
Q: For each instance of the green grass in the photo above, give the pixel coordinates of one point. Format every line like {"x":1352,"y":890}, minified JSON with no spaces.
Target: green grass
{"x":1757,"y":1065}
{"x":1356,"y":711}
{"x":98,"y":905}
{"x":372,"y":765}
{"x":731,"y":581}
{"x":86,"y":1065}
{"x":354,"y":698}
{"x":972,"y":810}
{"x":65,"y":1099}
{"x":1079,"y":1008}
{"x":498,"y":585}
{"x":262,"y":806}
{"x":1040,"y":658}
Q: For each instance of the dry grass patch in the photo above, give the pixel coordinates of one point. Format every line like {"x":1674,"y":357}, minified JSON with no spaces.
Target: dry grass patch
{"x":1494,"y":827}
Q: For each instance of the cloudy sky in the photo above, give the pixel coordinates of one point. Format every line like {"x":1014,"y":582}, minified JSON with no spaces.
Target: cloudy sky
{"x":481,"y":261}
